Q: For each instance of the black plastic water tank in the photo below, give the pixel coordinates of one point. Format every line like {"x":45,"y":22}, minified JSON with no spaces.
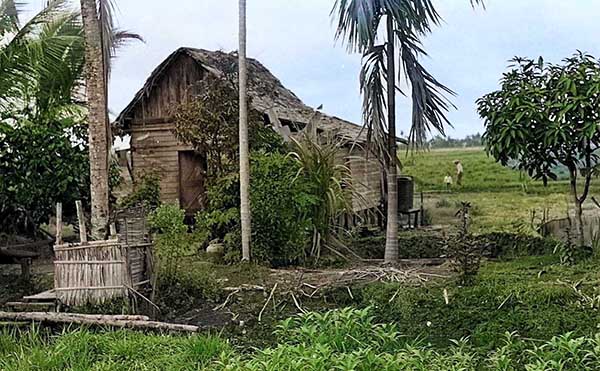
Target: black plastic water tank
{"x":406,"y":189}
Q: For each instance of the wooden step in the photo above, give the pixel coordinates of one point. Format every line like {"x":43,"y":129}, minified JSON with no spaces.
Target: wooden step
{"x":43,"y":297}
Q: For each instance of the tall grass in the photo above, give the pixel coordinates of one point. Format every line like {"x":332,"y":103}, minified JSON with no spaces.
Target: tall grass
{"x":339,"y":340}
{"x":119,"y":350}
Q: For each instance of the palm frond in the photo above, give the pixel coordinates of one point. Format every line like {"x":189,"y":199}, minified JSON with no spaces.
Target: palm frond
{"x":373,"y":77}
{"x":417,"y":15}
{"x":429,"y":101}
{"x":61,"y":61}
{"x":53,"y":8}
{"x":478,"y":2}
{"x":9,"y":16}
{"x":41,"y":65}
{"x":358,"y":21}
{"x":106,"y":9}
{"x":124,"y":37}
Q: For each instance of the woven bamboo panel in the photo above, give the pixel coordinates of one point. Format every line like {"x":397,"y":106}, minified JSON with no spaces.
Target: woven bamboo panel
{"x":92,"y":273}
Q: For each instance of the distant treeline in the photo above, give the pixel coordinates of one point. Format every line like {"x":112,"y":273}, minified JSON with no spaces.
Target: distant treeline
{"x":439,"y":141}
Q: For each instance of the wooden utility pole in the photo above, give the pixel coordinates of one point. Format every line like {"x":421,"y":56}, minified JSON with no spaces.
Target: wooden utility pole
{"x":244,"y":151}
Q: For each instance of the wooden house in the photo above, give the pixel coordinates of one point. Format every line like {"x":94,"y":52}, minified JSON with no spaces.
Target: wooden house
{"x":148,"y":120}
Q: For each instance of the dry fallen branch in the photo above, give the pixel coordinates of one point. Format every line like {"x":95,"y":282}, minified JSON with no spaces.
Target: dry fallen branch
{"x":297,"y":304}
{"x":394,"y":296}
{"x":101,"y":317}
{"x":134,"y":291}
{"x":267,"y":302}
{"x":245,"y":287}
{"x":97,"y":320}
{"x":369,"y":275}
{"x":221,"y":306}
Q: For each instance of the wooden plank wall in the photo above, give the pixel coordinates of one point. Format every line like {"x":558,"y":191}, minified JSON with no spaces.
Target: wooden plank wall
{"x":366,"y":172}
{"x":154,"y":146}
{"x":366,"y":175}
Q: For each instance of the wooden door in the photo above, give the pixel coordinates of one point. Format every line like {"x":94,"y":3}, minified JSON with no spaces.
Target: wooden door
{"x":192,"y":187}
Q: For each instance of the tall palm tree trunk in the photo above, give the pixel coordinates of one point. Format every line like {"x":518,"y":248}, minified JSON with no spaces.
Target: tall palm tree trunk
{"x":97,"y":118}
{"x":244,"y":156}
{"x":391,"y":241}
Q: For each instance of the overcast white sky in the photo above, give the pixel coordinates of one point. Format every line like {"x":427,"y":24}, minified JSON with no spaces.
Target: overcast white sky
{"x":294,"y":39}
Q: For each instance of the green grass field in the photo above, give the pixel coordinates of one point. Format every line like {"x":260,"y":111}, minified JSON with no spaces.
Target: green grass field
{"x":502,"y":198}
{"x":481,"y":172}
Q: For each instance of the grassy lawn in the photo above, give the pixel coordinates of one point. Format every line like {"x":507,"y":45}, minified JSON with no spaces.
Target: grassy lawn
{"x":502,"y":198}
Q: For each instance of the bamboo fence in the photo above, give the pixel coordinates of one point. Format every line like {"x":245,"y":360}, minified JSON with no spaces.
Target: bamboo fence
{"x":98,"y":271}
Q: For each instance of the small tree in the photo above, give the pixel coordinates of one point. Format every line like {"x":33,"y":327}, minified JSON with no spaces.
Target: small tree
{"x":210,"y":124}
{"x":546,"y":115}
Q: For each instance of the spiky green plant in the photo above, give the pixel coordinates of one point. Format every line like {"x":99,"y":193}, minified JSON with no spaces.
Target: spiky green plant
{"x":329,"y":181}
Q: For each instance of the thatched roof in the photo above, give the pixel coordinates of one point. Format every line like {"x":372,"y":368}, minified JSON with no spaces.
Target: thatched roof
{"x":267,"y":93}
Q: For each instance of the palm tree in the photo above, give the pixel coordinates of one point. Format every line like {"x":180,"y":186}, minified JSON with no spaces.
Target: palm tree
{"x":406,"y":21}
{"x":40,"y":61}
{"x":244,"y":156}
{"x":101,"y":41}
{"x":97,"y":117}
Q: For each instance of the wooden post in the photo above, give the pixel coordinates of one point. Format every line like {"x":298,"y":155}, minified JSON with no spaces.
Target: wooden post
{"x":422,"y":211}
{"x":81,"y":218}
{"x":25,"y":268}
{"x":59,"y":226}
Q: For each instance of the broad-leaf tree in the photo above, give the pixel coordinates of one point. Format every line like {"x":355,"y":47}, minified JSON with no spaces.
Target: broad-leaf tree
{"x":384,"y":32}
{"x":546,"y":115}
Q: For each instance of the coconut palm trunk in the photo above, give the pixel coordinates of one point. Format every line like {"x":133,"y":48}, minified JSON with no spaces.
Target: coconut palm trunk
{"x":97,"y":118}
{"x":391,"y":241}
{"x":244,"y":151}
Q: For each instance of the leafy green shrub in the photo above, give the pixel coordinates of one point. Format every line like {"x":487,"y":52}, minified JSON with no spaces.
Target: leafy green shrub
{"x":280,"y":205}
{"x":279,"y":211}
{"x":172,"y":240}
{"x":146,"y":192}
{"x":412,"y":245}
{"x":344,"y":330}
{"x":210,"y":123}
{"x":426,"y":244}
{"x":349,"y":340}
{"x":40,"y":166}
